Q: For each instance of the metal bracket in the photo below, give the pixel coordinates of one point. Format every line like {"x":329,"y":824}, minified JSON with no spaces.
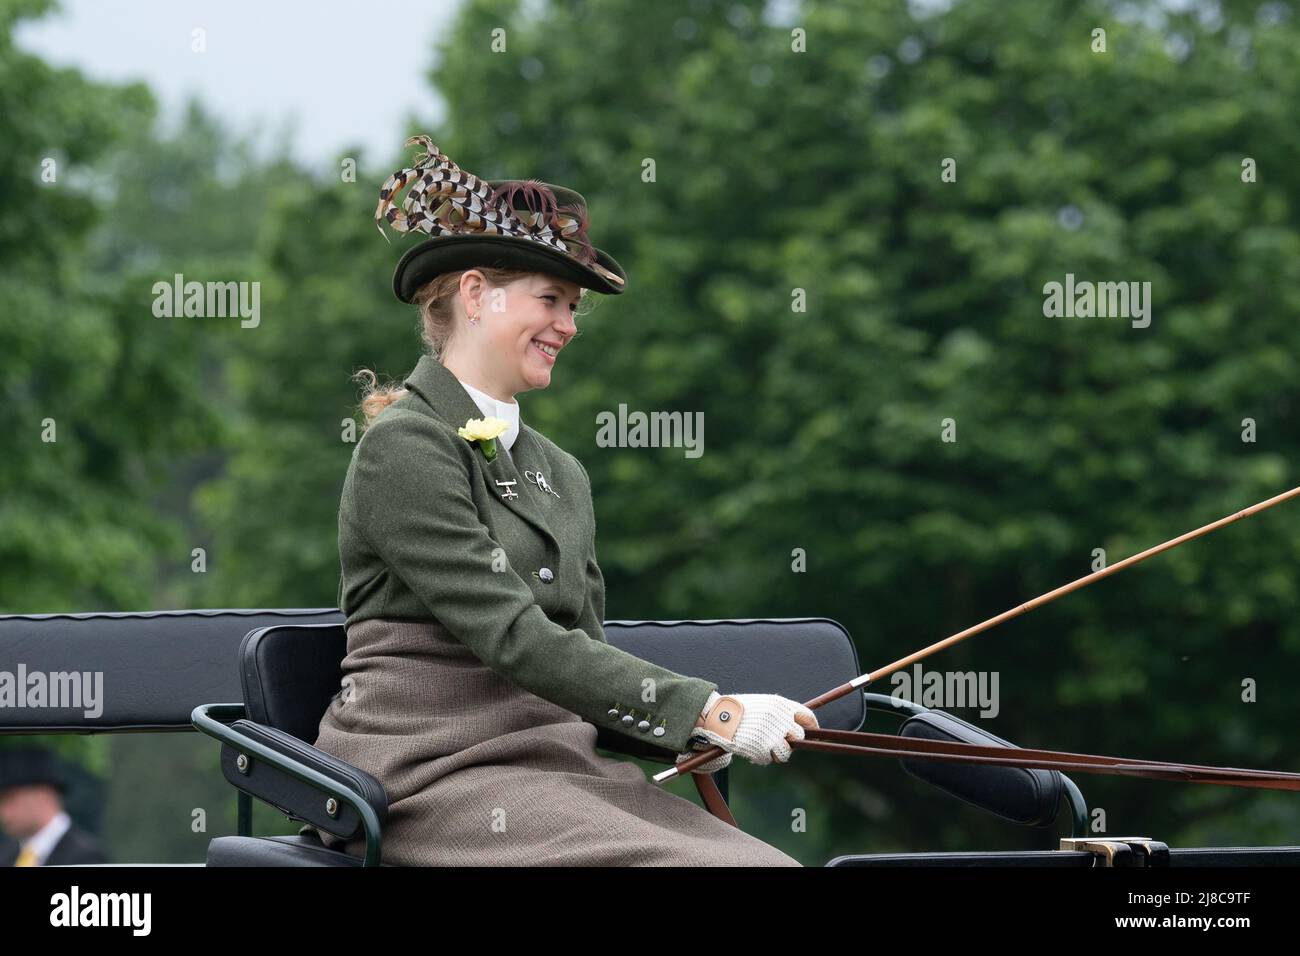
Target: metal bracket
{"x":1127,"y":851}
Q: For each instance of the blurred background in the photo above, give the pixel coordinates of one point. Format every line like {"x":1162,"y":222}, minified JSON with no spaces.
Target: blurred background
{"x":851,"y":213}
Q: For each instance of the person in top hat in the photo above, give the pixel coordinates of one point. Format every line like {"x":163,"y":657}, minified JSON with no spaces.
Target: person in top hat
{"x":32,"y":814}
{"x":477,"y":670}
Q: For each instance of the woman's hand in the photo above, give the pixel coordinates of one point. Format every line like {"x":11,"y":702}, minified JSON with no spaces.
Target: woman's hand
{"x":756,"y":726}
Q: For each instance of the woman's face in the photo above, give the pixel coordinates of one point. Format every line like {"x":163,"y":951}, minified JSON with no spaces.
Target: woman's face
{"x":519,"y":324}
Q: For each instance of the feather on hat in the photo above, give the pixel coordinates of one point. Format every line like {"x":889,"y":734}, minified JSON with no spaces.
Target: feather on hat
{"x":509,"y":223}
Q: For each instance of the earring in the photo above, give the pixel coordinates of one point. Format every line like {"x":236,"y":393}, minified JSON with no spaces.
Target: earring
{"x":473,"y":319}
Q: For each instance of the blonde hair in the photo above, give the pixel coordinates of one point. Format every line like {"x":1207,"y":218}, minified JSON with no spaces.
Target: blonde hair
{"x":437,"y":323}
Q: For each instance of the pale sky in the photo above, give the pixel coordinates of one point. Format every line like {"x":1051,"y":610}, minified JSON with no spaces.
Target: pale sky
{"x":343,"y":72}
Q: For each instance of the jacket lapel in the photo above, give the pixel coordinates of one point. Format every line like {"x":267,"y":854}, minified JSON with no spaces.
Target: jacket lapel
{"x":435,"y":383}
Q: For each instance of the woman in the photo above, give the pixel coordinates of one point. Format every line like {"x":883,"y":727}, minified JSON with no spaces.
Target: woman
{"x":477,"y":670}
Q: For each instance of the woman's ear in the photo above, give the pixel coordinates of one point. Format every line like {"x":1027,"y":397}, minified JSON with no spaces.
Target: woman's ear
{"x":472,"y":287}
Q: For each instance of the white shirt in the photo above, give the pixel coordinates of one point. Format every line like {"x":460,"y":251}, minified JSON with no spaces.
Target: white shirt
{"x":506,"y":411}
{"x":43,"y":843}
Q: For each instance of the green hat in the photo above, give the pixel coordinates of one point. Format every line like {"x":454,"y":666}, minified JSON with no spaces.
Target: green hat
{"x":504,"y":223}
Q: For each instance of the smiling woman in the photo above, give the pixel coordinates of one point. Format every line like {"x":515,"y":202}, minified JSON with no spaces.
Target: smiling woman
{"x":477,"y":671}
{"x":524,"y":332}
{"x":445,"y":297}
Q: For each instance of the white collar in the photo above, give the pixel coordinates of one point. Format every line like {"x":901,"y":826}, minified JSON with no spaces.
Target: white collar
{"x":506,"y":411}
{"x":43,"y":843}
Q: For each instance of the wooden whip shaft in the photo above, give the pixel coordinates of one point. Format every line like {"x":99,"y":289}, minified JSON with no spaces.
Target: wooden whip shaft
{"x":1072,"y":586}
{"x":1039,"y":601}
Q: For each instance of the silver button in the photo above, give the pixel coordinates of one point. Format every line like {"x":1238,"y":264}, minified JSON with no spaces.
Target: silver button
{"x":627,"y":720}
{"x":643,"y":726}
{"x":659,"y":731}
{"x":546,"y":575}
{"x":612,"y":712}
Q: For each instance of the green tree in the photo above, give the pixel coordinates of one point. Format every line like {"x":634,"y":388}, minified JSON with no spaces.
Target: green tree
{"x":821,"y":171}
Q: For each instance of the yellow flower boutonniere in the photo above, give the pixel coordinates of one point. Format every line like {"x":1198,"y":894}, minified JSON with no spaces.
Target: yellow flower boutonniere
{"x":485,"y":432}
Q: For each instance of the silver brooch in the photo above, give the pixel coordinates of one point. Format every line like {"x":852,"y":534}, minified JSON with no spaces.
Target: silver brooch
{"x":537,"y":479}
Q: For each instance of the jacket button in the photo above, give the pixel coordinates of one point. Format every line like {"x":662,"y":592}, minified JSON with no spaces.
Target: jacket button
{"x":627,"y":720}
{"x":643,"y":726}
{"x":659,"y":731}
{"x":546,"y":575}
{"x":612,"y":713}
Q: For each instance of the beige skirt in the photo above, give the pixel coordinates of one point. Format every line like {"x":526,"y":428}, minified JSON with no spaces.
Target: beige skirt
{"x":480,"y":772}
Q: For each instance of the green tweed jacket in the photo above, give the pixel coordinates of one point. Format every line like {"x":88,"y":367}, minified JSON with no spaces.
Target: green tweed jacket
{"x":430,"y":530}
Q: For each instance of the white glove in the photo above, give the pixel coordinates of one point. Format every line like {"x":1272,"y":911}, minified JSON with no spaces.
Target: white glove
{"x":756,"y":726}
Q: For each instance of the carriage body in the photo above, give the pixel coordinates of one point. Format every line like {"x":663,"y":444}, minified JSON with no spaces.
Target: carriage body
{"x":258,"y":682}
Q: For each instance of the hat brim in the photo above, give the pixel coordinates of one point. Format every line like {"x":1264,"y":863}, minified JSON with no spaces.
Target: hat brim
{"x":439,"y":254}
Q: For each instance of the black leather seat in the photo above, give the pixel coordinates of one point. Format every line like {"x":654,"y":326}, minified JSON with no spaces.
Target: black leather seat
{"x":290,"y":673}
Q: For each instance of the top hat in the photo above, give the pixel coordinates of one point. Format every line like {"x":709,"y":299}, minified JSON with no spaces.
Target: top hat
{"x":506,"y":223}
{"x":25,"y":766}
